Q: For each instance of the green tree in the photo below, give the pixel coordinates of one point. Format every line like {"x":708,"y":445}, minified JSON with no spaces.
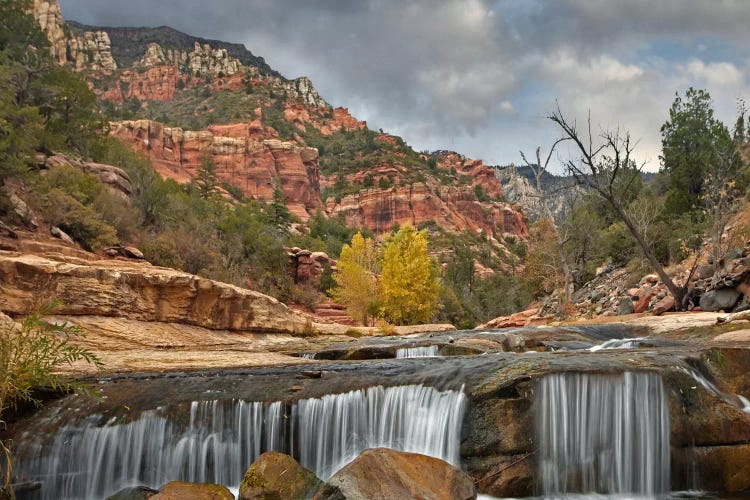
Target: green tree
{"x":409,"y":288}
{"x":356,"y":278}
{"x":206,"y":182}
{"x":692,"y":141}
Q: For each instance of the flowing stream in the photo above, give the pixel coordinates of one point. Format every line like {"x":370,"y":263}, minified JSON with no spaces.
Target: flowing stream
{"x":601,"y":433}
{"x":417,"y":352}
{"x":219,"y":439}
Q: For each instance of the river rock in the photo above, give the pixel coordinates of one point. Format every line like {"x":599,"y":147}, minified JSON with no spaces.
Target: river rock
{"x":134,"y":493}
{"x":179,"y":490}
{"x":721,"y":299}
{"x":277,"y":475}
{"x":386,"y":473}
{"x":664,"y":305}
{"x":625,"y":306}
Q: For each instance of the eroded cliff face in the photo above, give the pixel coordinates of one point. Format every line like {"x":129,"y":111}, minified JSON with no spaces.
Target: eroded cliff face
{"x":90,"y":50}
{"x":461,"y":195}
{"x":242,"y":154}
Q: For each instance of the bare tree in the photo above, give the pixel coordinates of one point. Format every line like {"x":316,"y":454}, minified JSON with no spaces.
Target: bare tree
{"x":606,"y":165}
{"x":539,"y":170}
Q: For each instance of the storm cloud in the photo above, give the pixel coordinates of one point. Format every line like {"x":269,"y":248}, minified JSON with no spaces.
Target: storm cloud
{"x":479,"y":76}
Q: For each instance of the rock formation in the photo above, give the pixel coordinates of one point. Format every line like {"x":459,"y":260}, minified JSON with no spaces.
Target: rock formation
{"x":241,"y":155}
{"x":204,"y":60}
{"x":49,"y":16}
{"x":137,"y":291}
{"x":87,"y":51}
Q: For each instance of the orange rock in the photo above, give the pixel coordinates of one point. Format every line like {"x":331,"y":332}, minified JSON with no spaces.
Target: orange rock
{"x":664,"y":305}
{"x":179,"y":490}
{"x":643,"y":302}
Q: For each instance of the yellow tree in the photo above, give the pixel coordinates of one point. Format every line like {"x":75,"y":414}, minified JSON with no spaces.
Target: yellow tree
{"x":356,"y":280}
{"x":409,"y":287}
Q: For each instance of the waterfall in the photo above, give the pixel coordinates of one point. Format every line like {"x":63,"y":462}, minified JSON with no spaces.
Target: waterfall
{"x":216,"y":441}
{"x":602,"y":433}
{"x":619,"y":344}
{"x":417,"y":352}
{"x":335,"y":429}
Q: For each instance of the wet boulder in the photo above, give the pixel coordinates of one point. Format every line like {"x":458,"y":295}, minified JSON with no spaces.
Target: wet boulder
{"x":275,"y":475}
{"x":134,"y":493}
{"x":386,"y":473}
{"x":179,"y":490}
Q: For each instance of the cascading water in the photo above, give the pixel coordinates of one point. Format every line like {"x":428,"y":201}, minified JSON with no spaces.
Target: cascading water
{"x":602,"y":433}
{"x":417,"y":352}
{"x":619,"y":344}
{"x":219,"y":439}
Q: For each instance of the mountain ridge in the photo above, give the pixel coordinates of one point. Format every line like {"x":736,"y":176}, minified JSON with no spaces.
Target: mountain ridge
{"x":140,"y":37}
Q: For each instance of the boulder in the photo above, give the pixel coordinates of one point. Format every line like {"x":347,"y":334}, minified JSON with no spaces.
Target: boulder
{"x":133,"y":493}
{"x":385,"y":473}
{"x":643,"y":302}
{"x":59,"y":233}
{"x":179,"y":490}
{"x":664,"y":305}
{"x":721,"y":299}
{"x":276,"y":475}
{"x":625,"y":306}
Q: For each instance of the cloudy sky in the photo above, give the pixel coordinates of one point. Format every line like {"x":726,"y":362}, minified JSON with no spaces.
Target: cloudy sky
{"x":478,"y":76}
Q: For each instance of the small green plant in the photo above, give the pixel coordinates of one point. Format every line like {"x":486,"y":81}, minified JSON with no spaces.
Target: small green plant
{"x":31,"y":355}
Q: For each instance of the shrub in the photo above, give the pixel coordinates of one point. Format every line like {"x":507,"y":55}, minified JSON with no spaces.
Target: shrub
{"x":30,"y":359}
{"x":81,"y":222}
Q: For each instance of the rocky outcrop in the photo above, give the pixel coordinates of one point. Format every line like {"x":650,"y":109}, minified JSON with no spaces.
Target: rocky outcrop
{"x":386,"y":473}
{"x":137,"y":291}
{"x":204,"y":60}
{"x":276,"y":475}
{"x":241,"y":155}
{"x":303,"y":90}
{"x":454,"y":208}
{"x":307,"y":267}
{"x":114,"y":178}
{"x":156,"y":83}
{"x":90,"y":50}
{"x":49,"y":16}
{"x":480,"y":174}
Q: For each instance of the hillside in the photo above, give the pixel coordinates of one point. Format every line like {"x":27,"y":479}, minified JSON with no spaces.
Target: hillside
{"x":258,"y":175}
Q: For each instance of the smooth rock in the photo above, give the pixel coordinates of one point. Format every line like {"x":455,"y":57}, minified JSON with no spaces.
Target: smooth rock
{"x":721,"y":299}
{"x":134,"y":493}
{"x":385,"y":473}
{"x":664,"y":305}
{"x":179,"y":490}
{"x":277,"y":475}
{"x":625,"y":306}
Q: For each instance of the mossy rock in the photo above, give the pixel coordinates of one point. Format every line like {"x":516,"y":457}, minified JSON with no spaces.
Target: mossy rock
{"x":276,"y":476}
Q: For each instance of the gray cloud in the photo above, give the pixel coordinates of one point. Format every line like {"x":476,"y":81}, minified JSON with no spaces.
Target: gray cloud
{"x":474,"y":75}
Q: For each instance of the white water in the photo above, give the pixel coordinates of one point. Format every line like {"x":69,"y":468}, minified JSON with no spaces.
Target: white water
{"x":220,"y":439}
{"x":618,"y":344}
{"x":602,"y":434}
{"x":417,"y":352}
{"x":745,"y":403}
